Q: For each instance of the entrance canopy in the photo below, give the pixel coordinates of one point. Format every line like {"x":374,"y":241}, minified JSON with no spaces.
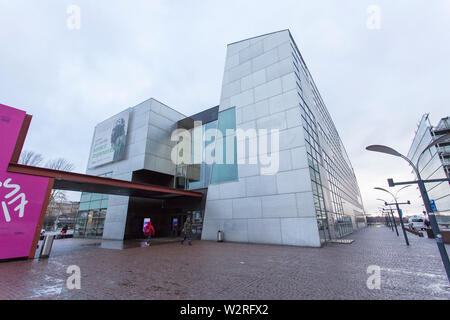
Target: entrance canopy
{"x":71,"y":181}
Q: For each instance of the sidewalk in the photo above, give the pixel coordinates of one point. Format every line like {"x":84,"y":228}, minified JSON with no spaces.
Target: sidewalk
{"x":211,"y":270}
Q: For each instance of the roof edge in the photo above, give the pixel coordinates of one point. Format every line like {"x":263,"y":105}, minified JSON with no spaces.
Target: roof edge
{"x":262,"y":35}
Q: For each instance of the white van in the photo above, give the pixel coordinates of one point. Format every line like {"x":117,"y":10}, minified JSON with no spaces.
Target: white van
{"x":417,"y":223}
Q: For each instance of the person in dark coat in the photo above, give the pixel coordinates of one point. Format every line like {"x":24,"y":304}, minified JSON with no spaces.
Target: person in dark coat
{"x":187,"y":229}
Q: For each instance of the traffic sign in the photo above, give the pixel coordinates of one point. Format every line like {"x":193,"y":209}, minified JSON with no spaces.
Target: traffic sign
{"x":433,"y":206}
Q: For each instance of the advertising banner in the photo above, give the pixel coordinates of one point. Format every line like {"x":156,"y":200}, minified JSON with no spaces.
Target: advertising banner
{"x":109,"y":140}
{"x":21,"y":196}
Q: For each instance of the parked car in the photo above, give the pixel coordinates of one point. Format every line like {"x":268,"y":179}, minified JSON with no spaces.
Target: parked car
{"x":416,"y":223}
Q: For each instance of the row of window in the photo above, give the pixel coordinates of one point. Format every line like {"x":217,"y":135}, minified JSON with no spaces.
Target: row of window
{"x":314,"y":157}
{"x":90,"y":223}
{"x":217,"y":172}
{"x":92,"y":213}
{"x":202,"y":176}
{"x":348,"y":179}
{"x":346,"y":182}
{"x":224,"y":172}
{"x":342,"y":223}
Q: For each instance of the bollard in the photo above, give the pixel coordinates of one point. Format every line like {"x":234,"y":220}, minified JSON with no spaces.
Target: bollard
{"x":220,"y":236}
{"x":47,"y":246}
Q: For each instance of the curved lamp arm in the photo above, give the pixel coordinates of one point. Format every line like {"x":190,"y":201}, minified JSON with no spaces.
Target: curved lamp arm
{"x":378,"y":188}
{"x":401,"y":189}
{"x":393,"y":152}
{"x":384,"y":201}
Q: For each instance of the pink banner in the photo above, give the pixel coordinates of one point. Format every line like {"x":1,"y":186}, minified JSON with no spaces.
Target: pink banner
{"x":21,"y":196}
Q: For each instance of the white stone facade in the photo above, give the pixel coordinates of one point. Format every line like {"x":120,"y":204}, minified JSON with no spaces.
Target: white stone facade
{"x":259,"y":82}
{"x":148,"y":147}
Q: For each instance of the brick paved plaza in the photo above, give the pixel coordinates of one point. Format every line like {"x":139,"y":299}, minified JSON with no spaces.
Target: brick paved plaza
{"x":210,"y":270}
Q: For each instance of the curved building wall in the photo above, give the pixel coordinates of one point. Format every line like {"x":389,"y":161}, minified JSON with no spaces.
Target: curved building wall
{"x":432,"y":165}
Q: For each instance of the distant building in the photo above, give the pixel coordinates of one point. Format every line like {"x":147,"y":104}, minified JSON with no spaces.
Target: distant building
{"x":434,"y":163}
{"x":61,"y":213}
{"x":382,"y":219}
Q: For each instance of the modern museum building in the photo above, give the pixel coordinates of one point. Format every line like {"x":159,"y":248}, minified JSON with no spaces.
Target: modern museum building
{"x":267,"y":163}
{"x":434,"y":163}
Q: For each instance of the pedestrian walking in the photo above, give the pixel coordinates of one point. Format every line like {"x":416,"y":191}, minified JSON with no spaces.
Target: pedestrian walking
{"x":187,"y":229}
{"x":149,"y":232}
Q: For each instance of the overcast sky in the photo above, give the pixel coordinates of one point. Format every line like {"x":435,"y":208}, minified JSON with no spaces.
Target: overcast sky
{"x":376,"y":83}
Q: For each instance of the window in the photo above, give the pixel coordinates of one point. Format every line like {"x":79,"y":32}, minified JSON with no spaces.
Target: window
{"x":224,"y":172}
{"x":205,"y":168}
{"x":92,"y":213}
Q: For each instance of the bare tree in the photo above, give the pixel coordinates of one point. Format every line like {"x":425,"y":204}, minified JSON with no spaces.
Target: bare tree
{"x":60,"y":164}
{"x":57,"y":197}
{"x":31,"y":158}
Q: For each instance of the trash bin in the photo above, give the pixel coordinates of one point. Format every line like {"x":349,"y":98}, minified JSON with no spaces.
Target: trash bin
{"x":47,"y":246}
{"x":445,"y":236}
{"x":220,"y":236}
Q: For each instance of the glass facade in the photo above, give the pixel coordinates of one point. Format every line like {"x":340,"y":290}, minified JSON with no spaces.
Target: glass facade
{"x":91,"y":214}
{"x":204,"y":176}
{"x":341,"y":223}
{"x":214,"y":166}
{"x":197,"y":224}
{"x":200,"y":175}
{"x":432,"y":164}
{"x":225,"y":171}
{"x":314,"y":158}
{"x":332,"y":177}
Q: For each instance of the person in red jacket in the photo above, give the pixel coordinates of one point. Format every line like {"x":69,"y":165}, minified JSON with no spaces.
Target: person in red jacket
{"x":149,"y":232}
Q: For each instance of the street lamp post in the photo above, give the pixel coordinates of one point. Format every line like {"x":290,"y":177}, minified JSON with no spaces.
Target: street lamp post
{"x":388,"y":221}
{"x":393,"y":218}
{"x":399,"y":213}
{"x":387,"y":217}
{"x":392,"y":215}
{"x":423,"y":193}
{"x":391,"y":224}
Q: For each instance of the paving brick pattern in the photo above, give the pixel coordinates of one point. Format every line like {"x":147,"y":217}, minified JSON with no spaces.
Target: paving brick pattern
{"x":210,"y":270}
